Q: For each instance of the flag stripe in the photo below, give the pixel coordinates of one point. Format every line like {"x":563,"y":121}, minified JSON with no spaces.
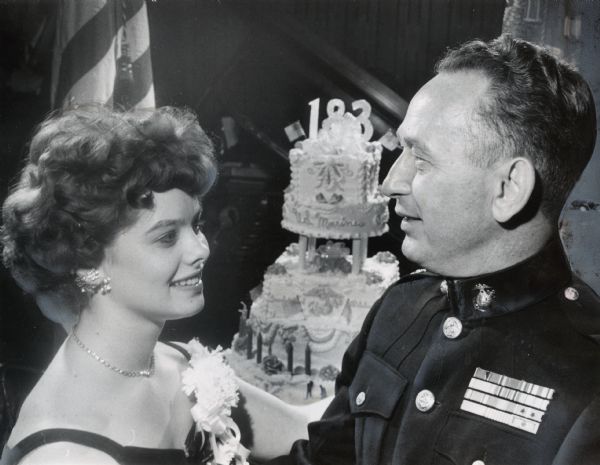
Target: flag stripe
{"x":138,"y":33}
{"x":134,"y":7}
{"x":142,"y":74}
{"x":88,"y":65}
{"x":86,"y":48}
{"x":147,"y":100}
{"x":96,"y":85}
{"x":72,"y":18}
{"x":90,"y":44}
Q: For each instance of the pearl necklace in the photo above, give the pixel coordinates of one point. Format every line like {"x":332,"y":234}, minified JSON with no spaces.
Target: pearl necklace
{"x":129,"y":373}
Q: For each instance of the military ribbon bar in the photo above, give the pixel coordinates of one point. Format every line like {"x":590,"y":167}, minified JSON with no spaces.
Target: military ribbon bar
{"x":507,"y":400}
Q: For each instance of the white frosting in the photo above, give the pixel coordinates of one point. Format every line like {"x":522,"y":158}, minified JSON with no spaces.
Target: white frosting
{"x":336,"y":221}
{"x":323,"y":309}
{"x":289,"y":388}
{"x":331,"y":299}
{"x":317,"y":310}
{"x":333,"y":192}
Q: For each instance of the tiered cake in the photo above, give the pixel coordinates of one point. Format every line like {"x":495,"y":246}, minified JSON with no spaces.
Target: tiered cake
{"x":314,"y":299}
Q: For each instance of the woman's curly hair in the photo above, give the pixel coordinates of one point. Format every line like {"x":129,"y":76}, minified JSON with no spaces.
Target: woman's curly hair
{"x":87,"y":174}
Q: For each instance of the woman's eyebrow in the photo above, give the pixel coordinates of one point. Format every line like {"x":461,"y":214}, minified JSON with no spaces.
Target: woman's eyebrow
{"x":165,"y":223}
{"x":173,"y":222}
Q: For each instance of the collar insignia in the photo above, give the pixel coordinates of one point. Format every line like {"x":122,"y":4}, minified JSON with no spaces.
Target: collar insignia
{"x":419,"y":271}
{"x":510,"y":401}
{"x":484,"y":297}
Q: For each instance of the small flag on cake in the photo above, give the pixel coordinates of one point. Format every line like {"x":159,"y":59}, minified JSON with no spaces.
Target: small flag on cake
{"x":294,"y":131}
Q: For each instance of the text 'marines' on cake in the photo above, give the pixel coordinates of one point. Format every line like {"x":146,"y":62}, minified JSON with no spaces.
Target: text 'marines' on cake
{"x":315,"y":298}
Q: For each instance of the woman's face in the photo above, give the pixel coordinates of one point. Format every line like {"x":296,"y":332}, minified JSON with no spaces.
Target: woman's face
{"x":155,"y":265}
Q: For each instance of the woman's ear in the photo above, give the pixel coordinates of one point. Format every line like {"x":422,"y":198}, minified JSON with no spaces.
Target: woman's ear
{"x":515,"y":180}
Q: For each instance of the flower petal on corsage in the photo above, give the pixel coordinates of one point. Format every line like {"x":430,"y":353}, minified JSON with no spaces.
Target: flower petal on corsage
{"x":211,"y":384}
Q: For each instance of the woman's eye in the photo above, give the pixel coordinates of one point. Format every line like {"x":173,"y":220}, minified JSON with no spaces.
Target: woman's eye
{"x":168,"y":238}
{"x":198,"y":226}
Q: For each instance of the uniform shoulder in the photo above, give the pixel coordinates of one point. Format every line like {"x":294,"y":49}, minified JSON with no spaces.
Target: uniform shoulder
{"x":415,"y":282}
{"x":583,"y":308}
{"x":580,"y":445}
{"x":406,"y":297}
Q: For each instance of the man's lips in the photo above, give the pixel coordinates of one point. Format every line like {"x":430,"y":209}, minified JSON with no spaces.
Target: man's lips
{"x":405,"y":215}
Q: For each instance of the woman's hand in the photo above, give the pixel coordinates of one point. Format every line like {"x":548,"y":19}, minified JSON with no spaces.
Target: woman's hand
{"x":270,"y":426}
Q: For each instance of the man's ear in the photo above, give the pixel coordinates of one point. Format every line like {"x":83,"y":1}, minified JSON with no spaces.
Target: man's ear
{"x":514,"y":184}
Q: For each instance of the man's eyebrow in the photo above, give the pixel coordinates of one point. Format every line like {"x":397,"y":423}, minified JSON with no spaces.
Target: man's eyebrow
{"x":416,"y":144}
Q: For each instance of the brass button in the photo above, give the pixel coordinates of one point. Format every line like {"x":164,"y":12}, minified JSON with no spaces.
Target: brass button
{"x":444,"y":287}
{"x":571,"y":293}
{"x":452,"y":327}
{"x":360,"y":398}
{"x":425,"y":400}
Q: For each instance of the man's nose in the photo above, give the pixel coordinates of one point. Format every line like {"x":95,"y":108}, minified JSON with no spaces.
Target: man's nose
{"x":399,"y":179}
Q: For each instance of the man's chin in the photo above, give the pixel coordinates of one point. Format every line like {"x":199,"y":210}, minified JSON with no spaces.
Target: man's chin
{"x":412,"y":251}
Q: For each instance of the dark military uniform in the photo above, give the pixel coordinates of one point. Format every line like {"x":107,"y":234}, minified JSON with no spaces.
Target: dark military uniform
{"x":496,"y":370}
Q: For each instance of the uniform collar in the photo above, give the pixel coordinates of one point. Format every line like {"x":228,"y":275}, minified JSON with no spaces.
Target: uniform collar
{"x":511,"y":289}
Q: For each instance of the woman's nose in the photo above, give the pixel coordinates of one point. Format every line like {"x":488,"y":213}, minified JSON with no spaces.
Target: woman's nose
{"x":399,"y":179}
{"x":199,"y":248}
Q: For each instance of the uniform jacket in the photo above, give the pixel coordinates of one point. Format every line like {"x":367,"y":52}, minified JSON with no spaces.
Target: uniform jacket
{"x":495,"y":370}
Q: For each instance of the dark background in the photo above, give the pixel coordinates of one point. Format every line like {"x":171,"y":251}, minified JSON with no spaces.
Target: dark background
{"x":259,"y":62}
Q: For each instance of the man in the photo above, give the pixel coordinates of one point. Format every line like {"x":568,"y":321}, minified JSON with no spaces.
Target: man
{"x":490,"y":356}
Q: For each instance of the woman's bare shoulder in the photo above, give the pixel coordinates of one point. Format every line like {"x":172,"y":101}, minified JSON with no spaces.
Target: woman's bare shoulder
{"x":66,"y":453}
{"x":38,"y":412}
{"x":57,"y":401}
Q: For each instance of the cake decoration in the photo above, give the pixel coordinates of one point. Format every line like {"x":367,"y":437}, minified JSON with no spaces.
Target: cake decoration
{"x":314,"y":297}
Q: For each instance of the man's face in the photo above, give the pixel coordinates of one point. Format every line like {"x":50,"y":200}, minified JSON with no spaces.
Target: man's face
{"x":444,"y":198}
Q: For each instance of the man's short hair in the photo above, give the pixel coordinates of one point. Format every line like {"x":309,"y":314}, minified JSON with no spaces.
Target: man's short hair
{"x":539,"y":107}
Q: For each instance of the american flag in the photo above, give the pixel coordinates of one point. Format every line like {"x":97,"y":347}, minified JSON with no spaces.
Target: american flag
{"x":102,"y":54}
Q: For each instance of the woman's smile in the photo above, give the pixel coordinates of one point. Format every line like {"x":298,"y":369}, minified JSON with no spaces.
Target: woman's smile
{"x":193,"y":281}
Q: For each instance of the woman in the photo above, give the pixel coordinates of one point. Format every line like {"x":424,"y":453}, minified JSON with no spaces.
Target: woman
{"x":103,"y":228}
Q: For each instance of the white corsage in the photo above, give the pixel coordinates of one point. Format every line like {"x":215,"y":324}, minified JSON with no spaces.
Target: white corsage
{"x":211,"y":384}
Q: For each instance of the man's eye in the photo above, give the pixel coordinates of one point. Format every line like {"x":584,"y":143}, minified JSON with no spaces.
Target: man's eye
{"x":420,"y":164}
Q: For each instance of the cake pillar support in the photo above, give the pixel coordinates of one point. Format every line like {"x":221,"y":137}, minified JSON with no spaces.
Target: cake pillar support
{"x":312,"y":248}
{"x":359,"y":253}
{"x":356,"y":256}
{"x":259,"y":344}
{"x":302,"y":244}
{"x":249,"y":344}
{"x":364,"y":243}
